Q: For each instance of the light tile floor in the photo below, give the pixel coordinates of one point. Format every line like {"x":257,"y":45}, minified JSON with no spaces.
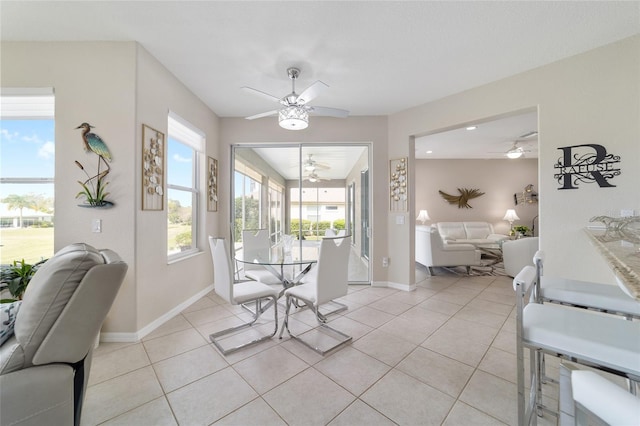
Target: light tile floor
{"x":443,"y":354}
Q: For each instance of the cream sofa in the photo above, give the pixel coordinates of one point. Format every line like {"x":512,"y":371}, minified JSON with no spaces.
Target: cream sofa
{"x":468,"y":233}
{"x":431,"y":251}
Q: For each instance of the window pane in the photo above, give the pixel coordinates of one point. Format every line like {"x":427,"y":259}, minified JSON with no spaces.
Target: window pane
{"x":28,"y":148}
{"x":180,"y":220}
{"x":247,"y":204}
{"x":182,"y":188}
{"x":27,"y":168}
{"x":179,"y":164}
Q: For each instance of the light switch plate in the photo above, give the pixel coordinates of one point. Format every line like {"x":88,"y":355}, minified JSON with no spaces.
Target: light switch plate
{"x":96,"y":225}
{"x":399,"y":220}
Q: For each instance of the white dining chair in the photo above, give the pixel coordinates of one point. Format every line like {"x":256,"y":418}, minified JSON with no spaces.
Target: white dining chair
{"x":256,"y":244}
{"x":237,"y":293}
{"x":331,"y":282}
{"x":606,"y":342}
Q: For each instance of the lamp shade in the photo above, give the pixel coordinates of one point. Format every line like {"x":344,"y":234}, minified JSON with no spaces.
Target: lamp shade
{"x":510,"y":216}
{"x":293,"y":118}
{"x":423,"y":216}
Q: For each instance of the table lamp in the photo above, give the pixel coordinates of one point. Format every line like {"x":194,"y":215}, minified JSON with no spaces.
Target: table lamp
{"x":510,"y":216}
{"x":423,"y":216}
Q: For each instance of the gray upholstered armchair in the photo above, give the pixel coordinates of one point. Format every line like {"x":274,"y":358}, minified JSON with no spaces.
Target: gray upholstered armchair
{"x":44,"y":366}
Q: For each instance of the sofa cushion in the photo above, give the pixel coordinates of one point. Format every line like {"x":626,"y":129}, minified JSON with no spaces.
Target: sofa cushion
{"x":451,"y":231}
{"x":477,"y":230}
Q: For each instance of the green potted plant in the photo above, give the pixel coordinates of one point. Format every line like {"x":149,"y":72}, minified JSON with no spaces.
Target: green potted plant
{"x":520,"y":231}
{"x":16,"y":277}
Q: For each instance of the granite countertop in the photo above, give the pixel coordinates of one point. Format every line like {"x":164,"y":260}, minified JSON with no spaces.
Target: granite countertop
{"x":622,"y":255}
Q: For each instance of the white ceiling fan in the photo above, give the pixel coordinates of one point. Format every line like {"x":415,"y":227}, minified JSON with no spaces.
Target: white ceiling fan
{"x":313,"y":177}
{"x":294,"y":114}
{"x":310,"y":164}
{"x":516,"y":151}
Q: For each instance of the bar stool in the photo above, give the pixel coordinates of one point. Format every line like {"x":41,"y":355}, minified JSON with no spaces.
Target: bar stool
{"x":594,"y":395}
{"x":605,"y":342}
{"x":583,"y":294}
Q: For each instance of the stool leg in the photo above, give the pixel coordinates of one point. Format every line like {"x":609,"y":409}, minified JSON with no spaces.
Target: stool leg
{"x":539,"y":359}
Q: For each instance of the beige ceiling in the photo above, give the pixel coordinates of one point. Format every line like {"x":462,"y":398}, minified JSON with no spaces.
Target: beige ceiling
{"x":378,"y":57}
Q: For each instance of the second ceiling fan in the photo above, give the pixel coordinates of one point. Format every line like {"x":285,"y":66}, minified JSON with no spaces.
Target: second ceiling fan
{"x":295,"y":111}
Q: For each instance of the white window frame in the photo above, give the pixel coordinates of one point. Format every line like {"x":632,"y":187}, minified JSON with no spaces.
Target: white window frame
{"x":27,"y":103}
{"x":184,"y":132}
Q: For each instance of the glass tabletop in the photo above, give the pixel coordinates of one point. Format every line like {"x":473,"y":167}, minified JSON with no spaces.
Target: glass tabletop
{"x":277,"y":257}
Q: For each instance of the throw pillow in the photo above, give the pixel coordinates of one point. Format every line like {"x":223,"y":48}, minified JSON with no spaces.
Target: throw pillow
{"x":8,"y":314}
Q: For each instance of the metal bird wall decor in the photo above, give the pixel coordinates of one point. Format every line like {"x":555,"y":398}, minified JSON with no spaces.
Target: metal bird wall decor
{"x":462,"y":200}
{"x":93,"y":189}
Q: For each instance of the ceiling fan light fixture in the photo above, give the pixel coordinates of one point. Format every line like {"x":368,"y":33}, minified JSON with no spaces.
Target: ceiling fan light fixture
{"x":293,"y":118}
{"x":515,"y":153}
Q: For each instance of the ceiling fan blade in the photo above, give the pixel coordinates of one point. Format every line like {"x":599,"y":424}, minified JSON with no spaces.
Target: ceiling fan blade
{"x":263,"y":114}
{"x":260,"y":93}
{"x":329,"y":112}
{"x":311,"y":92}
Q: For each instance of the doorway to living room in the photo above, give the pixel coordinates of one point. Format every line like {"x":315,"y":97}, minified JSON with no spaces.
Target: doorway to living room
{"x":494,"y":159}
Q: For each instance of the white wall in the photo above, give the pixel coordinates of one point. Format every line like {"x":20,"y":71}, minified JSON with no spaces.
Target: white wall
{"x":161,"y":286}
{"x":116,"y":86}
{"x":94,"y":83}
{"x":593,"y":97}
{"x":498,"y":179}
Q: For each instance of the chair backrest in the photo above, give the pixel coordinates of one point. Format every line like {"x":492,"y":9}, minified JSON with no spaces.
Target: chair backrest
{"x":222,"y":270}
{"x":329,"y":233}
{"x":255,"y":244}
{"x":64,"y":306}
{"x":333,"y":269}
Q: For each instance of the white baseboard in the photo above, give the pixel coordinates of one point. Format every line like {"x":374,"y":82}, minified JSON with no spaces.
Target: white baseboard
{"x":137,"y":336}
{"x":397,"y":286}
{"x":403,"y":287}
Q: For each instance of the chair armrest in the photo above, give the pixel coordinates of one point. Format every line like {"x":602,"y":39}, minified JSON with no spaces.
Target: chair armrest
{"x":37,"y":396}
{"x":497,"y":237}
{"x":458,"y":247}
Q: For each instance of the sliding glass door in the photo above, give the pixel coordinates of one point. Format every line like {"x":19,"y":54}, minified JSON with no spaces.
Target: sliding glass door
{"x":307,"y":191}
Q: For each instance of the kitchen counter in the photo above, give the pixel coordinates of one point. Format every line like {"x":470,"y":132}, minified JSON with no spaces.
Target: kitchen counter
{"x":622,"y":253}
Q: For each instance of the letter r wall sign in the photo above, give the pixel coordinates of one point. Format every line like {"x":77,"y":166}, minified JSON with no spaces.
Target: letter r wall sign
{"x":586,"y":163}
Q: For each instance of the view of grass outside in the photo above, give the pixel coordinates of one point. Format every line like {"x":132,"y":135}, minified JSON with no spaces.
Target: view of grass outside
{"x":30,"y":244}
{"x":174,"y":230}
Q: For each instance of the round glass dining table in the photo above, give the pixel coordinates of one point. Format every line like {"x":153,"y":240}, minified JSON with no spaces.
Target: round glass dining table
{"x":289,"y":269}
